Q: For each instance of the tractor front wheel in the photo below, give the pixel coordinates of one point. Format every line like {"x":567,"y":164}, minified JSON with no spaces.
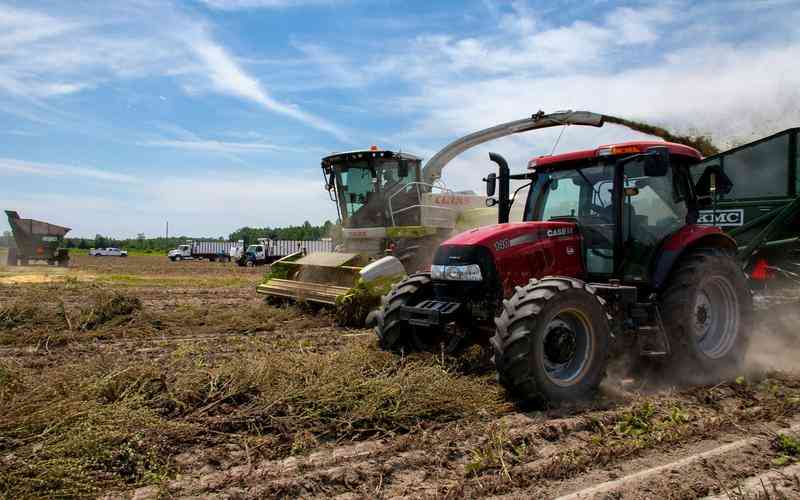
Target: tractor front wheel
{"x":707,"y":310}
{"x":393,"y":332}
{"x":552,"y":341}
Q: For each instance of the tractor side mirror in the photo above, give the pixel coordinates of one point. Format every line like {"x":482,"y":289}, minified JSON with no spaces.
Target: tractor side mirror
{"x":402,"y":169}
{"x":656,"y":162}
{"x":330,"y":184}
{"x":491,"y":184}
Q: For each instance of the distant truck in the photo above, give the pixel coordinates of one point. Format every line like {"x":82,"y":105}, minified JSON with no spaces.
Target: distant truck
{"x":210,"y":250}
{"x":108,"y":252}
{"x":267,"y":251}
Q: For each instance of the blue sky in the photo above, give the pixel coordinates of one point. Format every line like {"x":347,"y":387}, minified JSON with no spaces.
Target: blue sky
{"x":213,"y":114}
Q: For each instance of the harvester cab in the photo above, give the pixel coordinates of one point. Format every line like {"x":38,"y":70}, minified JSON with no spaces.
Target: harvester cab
{"x":609,"y":258}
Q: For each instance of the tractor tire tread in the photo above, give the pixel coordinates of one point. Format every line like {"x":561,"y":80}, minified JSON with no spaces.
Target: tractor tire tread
{"x":512,"y":344}
{"x":676,"y":300}
{"x":389,"y":324}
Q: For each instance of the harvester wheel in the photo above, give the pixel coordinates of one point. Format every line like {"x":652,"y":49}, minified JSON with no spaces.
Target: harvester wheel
{"x":11,"y":258}
{"x":393,"y":332}
{"x":552,"y":341}
{"x":707,"y":311}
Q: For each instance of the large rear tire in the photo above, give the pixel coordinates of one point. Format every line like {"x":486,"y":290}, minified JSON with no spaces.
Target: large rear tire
{"x":707,"y":310}
{"x":552,"y":341}
{"x":393,"y":332}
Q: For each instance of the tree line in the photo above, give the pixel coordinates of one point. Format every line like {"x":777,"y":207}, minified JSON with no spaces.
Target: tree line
{"x":142,"y":243}
{"x":304,"y":232}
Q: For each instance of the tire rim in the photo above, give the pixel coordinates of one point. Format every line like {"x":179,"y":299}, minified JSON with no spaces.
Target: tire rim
{"x":566,"y":347}
{"x":715,"y":320}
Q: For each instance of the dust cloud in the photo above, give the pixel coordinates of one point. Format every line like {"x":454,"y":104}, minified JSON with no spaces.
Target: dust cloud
{"x":775,"y":340}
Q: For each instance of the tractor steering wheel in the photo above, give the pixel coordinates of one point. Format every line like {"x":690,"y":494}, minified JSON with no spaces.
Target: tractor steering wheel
{"x":601,"y":212}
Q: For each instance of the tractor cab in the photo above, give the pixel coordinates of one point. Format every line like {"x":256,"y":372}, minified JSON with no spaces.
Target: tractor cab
{"x":625,"y":200}
{"x":364,"y":184}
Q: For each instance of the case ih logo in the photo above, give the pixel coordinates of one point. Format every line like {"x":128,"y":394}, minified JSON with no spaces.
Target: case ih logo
{"x":721,"y":218}
{"x":561,"y":231}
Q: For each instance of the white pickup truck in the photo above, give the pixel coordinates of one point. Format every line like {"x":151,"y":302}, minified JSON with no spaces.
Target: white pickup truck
{"x":108,"y":252}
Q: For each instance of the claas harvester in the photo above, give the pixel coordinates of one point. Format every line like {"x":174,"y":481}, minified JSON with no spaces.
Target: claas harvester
{"x":643,"y":248}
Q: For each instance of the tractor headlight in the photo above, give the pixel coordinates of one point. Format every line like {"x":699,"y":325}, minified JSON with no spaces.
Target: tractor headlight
{"x":470,"y":272}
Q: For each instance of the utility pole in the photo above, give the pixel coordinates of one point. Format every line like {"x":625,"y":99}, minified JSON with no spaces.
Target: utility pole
{"x":167,"y":229}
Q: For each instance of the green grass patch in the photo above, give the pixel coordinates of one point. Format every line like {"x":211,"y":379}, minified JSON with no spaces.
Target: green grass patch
{"x":198,"y":281}
{"x":788,"y":448}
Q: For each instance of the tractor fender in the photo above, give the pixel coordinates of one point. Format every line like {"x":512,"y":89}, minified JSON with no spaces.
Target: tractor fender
{"x":688,"y":237}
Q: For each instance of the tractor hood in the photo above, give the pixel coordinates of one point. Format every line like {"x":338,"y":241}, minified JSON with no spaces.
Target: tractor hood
{"x":502,"y":237}
{"x":510,"y":255}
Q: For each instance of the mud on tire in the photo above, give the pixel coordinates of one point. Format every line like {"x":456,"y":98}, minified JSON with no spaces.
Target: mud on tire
{"x":707,"y":311}
{"x":390,"y":327}
{"x":552,"y":341}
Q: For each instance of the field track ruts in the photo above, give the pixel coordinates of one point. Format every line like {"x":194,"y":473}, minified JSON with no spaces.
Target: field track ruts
{"x":709,"y":459}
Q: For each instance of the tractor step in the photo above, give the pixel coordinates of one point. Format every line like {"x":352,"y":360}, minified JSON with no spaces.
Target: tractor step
{"x":430,"y":313}
{"x":300,"y":291}
{"x":653,"y":342}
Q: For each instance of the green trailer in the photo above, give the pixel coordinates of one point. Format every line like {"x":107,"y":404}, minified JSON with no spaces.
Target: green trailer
{"x":36,"y":241}
{"x":758,"y":203}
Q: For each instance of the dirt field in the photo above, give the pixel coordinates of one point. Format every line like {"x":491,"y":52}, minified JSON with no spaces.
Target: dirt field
{"x":142,"y":378}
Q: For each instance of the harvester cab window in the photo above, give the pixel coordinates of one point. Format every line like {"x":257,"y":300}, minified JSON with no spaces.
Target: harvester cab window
{"x":391,"y":180}
{"x":357,"y":185}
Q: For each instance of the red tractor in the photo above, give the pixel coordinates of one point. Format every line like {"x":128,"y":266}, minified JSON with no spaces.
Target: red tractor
{"x":609,"y":258}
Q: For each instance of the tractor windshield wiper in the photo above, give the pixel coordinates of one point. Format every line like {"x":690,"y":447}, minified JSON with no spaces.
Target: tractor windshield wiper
{"x":595,"y":190}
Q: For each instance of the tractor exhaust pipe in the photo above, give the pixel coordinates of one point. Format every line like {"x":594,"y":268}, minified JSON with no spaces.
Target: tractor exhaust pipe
{"x":504,"y":204}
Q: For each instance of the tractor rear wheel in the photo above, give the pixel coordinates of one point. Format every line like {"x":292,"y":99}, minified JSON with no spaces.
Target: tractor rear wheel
{"x":707,"y":310}
{"x":393,"y":332}
{"x":552,"y":341}
{"x":11,"y":258}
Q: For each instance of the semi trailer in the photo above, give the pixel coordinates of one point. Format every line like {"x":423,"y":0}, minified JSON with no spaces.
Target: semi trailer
{"x":213,"y":250}
{"x":267,"y":251}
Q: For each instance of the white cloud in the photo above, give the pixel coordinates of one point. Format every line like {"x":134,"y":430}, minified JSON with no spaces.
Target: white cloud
{"x":228,"y":77}
{"x":263,"y":4}
{"x":43,"y":56}
{"x":13,"y":166}
{"x":218,"y":146}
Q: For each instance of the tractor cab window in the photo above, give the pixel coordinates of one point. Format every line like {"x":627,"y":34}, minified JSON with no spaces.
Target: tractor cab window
{"x":650,"y":213}
{"x":585,"y":195}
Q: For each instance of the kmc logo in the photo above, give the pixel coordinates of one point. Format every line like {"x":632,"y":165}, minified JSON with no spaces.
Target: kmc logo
{"x":721,"y":218}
